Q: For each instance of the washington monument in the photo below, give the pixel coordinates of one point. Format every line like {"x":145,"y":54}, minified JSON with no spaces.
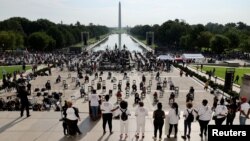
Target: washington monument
{"x":119,"y":25}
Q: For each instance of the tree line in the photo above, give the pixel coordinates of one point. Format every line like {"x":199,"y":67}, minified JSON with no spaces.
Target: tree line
{"x":43,"y":35}
{"x":212,"y":37}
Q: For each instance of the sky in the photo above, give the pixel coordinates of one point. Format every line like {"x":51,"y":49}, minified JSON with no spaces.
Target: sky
{"x":134,"y":12}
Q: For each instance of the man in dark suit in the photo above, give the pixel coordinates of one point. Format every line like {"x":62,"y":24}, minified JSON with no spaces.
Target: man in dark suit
{"x":23,"y":95}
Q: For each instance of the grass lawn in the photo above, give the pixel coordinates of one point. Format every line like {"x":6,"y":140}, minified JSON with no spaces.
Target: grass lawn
{"x":220,"y":71}
{"x":10,"y":69}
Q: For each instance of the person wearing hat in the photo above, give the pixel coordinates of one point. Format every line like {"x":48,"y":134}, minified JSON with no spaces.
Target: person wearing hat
{"x":244,"y":111}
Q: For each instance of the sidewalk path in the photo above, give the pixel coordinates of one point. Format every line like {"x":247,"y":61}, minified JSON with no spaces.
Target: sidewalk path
{"x":219,"y":80}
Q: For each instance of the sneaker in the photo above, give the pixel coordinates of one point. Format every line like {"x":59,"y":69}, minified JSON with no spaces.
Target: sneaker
{"x":154,"y":138}
{"x":184,"y":137}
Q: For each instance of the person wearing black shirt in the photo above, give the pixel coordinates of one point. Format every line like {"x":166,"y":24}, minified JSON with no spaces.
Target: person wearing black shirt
{"x":23,"y":95}
{"x":29,"y":88}
{"x":159,"y":116}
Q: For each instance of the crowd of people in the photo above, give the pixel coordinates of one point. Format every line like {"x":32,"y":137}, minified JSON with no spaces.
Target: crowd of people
{"x":222,"y":109}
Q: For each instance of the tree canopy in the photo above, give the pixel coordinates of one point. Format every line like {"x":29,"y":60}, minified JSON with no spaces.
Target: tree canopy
{"x":18,"y":32}
{"x":213,"y":37}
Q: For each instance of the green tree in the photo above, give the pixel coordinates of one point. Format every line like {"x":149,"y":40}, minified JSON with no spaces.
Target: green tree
{"x":234,"y":38}
{"x":219,"y":43}
{"x":245,"y":45}
{"x":40,"y":41}
{"x":203,"y":39}
{"x":11,"y":40}
{"x":57,"y":35}
{"x":186,"y":42}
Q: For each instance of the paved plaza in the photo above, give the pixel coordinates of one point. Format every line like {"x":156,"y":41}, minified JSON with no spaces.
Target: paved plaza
{"x":45,"y":125}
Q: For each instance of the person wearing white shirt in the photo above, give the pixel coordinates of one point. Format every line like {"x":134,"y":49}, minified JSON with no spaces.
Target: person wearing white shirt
{"x":174,"y":116}
{"x":124,"y":122}
{"x":140,"y":114}
{"x":220,"y":112}
{"x":188,"y":121}
{"x":205,"y":114}
{"x":107,"y":109}
{"x":244,"y":111}
{"x":72,"y":117}
{"x":94,"y":104}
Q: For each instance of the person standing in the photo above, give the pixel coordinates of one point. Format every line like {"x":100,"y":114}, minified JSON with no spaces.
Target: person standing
{"x":124,"y":113}
{"x":174,"y":116}
{"x":220,"y":113}
{"x":244,"y":111}
{"x":23,"y":95}
{"x":236,"y":78}
{"x":158,"y":116}
{"x":94,"y":104}
{"x":72,"y":116}
{"x":107,"y":109}
{"x":189,"y":118}
{"x":204,"y":113}
{"x":29,"y":87}
{"x":232,"y":109}
{"x":140,"y":114}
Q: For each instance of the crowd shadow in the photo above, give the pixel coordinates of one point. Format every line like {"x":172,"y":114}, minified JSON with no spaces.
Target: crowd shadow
{"x":85,"y":126}
{"x":10,"y":124}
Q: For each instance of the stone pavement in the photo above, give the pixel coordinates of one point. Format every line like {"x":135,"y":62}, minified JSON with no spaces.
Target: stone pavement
{"x":45,"y":125}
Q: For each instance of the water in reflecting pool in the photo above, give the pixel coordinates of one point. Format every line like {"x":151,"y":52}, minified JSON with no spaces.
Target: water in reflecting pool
{"x":113,"y":39}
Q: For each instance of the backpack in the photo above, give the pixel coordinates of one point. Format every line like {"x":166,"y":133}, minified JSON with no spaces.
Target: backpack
{"x":124,"y":115}
{"x":190,"y":117}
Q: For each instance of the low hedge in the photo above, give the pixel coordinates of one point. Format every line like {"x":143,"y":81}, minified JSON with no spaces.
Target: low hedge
{"x":212,"y":84}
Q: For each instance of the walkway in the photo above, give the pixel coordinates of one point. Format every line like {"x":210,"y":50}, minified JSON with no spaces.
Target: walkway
{"x":218,"y":80}
{"x":45,"y":126}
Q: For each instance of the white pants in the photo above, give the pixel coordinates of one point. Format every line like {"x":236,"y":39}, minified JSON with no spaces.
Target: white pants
{"x":124,"y":126}
{"x":140,"y":125}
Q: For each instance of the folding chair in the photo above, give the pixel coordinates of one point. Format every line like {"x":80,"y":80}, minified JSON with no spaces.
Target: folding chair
{"x":150,"y":82}
{"x":90,"y":89}
{"x":120,"y":81}
{"x":65,"y":86}
{"x":127,"y":92}
{"x":103,"y":89}
{"x":114,"y":86}
{"x":134,"y":81}
{"x":110,"y":93}
{"x":73,"y":79}
{"x":161,"y":93}
{"x":104,"y":82}
{"x":148,"y":89}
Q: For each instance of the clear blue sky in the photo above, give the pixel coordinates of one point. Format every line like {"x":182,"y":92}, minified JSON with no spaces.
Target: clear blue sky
{"x":134,"y":12}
